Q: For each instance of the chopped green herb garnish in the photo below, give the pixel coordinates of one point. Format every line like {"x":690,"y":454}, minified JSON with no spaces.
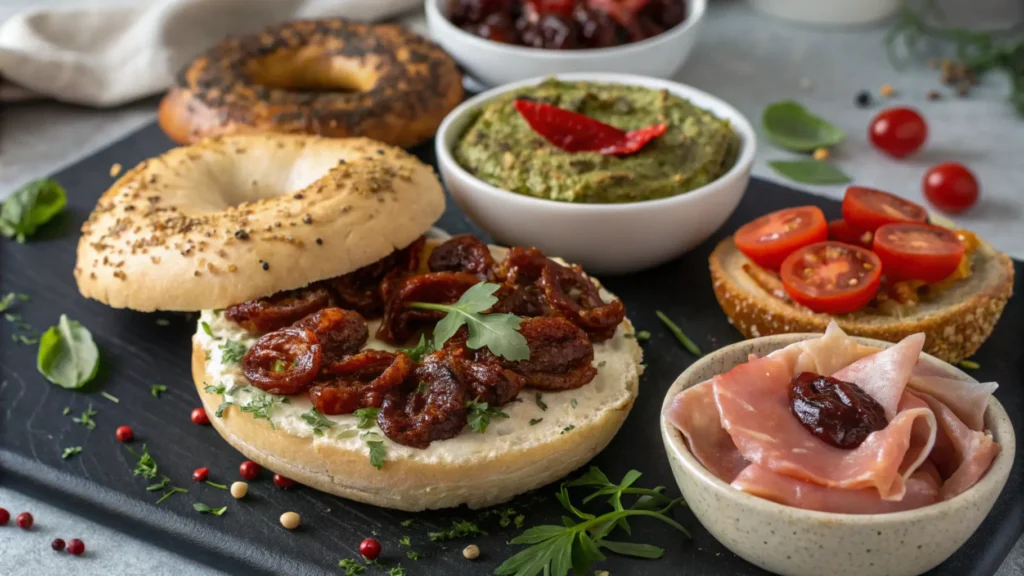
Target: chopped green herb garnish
{"x":67,"y":410}
{"x":678,"y":333}
{"x":406,"y":523}
{"x":480,"y":415}
{"x":218,"y":389}
{"x":535,"y":421}
{"x":396,"y":571}
{"x":377,"y":453}
{"x":519,"y":520}
{"x":643,"y":335}
{"x":206,"y":328}
{"x":215,"y":485}
{"x":405,"y":541}
{"x":573,"y":403}
{"x":568,"y":429}
{"x":7,"y":300}
{"x":351,"y":567}
{"x":422,"y":388}
{"x":422,"y":348}
{"x":157,"y":389}
{"x":146,"y":467}
{"x":540,"y":402}
{"x":232,"y":352}
{"x":367,"y":417}
{"x":204,"y":509}
{"x":350,"y":433}
{"x":70,"y":451}
{"x":163,"y":322}
{"x":110,"y":397}
{"x":278,"y":366}
{"x":601,"y":364}
{"x":22,"y":339}
{"x":317,"y":421}
{"x":969,"y":364}
{"x":412,"y":555}
{"x":86,"y":418}
{"x":459,"y":529}
{"x":220,"y":409}
{"x":497,"y":332}
{"x":173,"y":490}
{"x":261,"y":406}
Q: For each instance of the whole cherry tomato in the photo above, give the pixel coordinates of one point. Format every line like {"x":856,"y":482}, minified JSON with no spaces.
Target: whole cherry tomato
{"x":951,"y":187}
{"x":898,"y":131}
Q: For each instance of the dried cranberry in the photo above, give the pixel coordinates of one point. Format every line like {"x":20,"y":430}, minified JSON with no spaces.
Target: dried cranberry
{"x":839,"y":413}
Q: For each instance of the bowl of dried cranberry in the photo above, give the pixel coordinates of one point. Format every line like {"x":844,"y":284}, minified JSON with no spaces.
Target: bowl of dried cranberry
{"x":502,"y":41}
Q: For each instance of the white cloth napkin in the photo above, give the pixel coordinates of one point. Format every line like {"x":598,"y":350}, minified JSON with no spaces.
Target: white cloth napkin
{"x":104,"y":55}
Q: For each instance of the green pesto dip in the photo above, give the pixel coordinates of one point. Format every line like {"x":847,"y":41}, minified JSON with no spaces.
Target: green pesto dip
{"x":500,"y":148}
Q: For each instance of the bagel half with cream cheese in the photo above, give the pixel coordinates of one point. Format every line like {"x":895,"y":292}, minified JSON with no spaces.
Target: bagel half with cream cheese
{"x":240,"y":218}
{"x":956,"y":320}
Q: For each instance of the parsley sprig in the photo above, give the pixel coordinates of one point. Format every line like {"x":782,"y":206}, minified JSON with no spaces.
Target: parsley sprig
{"x":480,"y":414}
{"x":86,"y":418}
{"x":147,"y":467}
{"x":317,"y":421}
{"x":367,"y":417}
{"x":232,"y":351}
{"x":498,"y":332}
{"x":556,"y":550}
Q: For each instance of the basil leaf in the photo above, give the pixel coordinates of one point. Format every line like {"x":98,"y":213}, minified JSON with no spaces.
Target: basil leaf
{"x":789,"y":125}
{"x":30,"y":207}
{"x":67,"y":356}
{"x":809,"y":171}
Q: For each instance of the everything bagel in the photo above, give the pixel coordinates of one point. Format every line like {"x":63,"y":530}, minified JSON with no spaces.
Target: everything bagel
{"x":240,"y":217}
{"x":330,"y":78}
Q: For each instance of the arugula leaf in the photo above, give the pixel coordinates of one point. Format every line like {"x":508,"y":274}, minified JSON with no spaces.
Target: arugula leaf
{"x":157,"y":389}
{"x":791,"y":126}
{"x":204,"y":509}
{"x":422,"y":348}
{"x":70,"y":451}
{"x":367,"y":417}
{"x":351,"y":567}
{"x":86,"y":418}
{"x":498,"y":332}
{"x":678,"y":333}
{"x":377,"y":453}
{"x":575,"y":546}
{"x":809,"y":172}
{"x":67,"y":355}
{"x":480,"y":415}
{"x":317,"y":421}
{"x":30,"y":207}
{"x":232,"y":351}
{"x":459,"y":529}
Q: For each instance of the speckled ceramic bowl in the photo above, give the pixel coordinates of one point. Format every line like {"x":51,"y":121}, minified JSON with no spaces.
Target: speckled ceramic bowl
{"x":796,"y":542}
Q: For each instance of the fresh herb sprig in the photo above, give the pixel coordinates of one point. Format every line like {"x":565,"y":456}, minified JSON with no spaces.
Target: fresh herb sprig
{"x":147,"y":467}
{"x":498,"y":332}
{"x":678,"y":333}
{"x":317,"y":421}
{"x":204,"y":509}
{"x":480,"y":415}
{"x":576,"y":545}
{"x":85,"y":419}
{"x":70,"y":451}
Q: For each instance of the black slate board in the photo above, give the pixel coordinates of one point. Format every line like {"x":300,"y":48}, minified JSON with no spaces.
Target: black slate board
{"x":136,"y":353}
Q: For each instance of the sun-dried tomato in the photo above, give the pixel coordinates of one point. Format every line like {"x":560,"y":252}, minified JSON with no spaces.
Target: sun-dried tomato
{"x":340,"y":332}
{"x":520,"y":294}
{"x":572,"y":294}
{"x":561,"y":355}
{"x":284,"y":361}
{"x":839,"y":413}
{"x":463,"y":253}
{"x":400,"y":321}
{"x":574,"y":132}
{"x":432,"y":406}
{"x":485,"y":376}
{"x":363,"y":290}
{"x":359,"y":381}
{"x":280,"y":310}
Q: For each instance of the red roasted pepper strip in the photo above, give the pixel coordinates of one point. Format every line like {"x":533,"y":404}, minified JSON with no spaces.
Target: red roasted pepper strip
{"x":574,"y":132}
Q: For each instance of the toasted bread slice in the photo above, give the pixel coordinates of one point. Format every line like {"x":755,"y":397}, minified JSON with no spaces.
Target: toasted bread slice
{"x":956,"y":320}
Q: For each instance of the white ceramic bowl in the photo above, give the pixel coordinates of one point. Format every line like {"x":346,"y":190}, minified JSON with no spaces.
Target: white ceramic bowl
{"x":495,"y":63}
{"x":797,"y":542}
{"x":603,"y":238}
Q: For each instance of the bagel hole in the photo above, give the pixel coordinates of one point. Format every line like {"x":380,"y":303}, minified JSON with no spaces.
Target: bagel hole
{"x":309,"y":70}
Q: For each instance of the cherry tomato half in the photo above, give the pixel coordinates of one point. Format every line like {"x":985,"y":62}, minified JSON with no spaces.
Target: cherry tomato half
{"x":898,"y":131}
{"x":918,"y":251}
{"x":951,"y":187}
{"x":841,"y":231}
{"x":769,"y":239}
{"x":867,"y":208}
{"x":832,"y":277}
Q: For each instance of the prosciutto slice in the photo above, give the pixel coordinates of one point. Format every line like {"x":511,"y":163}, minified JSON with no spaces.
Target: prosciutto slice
{"x":922,"y":489}
{"x":968,"y":400}
{"x":884,"y":375}
{"x":753,"y":402}
{"x":695,"y":414}
{"x":962,"y":455}
{"x":825,"y":355}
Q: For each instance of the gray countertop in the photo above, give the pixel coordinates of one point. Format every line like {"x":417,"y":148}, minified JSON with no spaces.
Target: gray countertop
{"x":742,"y":56}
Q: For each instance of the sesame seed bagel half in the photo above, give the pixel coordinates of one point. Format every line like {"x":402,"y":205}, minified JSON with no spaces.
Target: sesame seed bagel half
{"x":545,"y":437}
{"x":241,"y":217}
{"x":956,"y":320}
